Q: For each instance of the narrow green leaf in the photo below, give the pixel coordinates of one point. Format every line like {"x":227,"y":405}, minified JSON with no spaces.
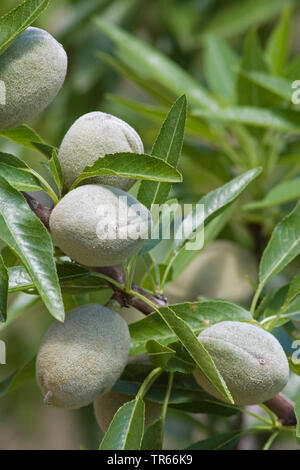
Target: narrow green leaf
{"x":280,"y":86}
{"x":278,"y":43}
{"x":282,"y":120}
{"x":27,"y":237}
{"x":127,"y":427}
{"x":153,"y":436}
{"x":18,"y":174}
{"x":153,"y":65}
{"x":23,"y":135}
{"x":294,"y":289}
{"x":158,"y":353}
{"x":282,"y":248}
{"x":237,"y":17}
{"x":20,"y":280}
{"x":198,"y":315}
{"x":56,"y":171}
{"x":3,"y":290}
{"x":224,"y":441}
{"x":18,"y":378}
{"x":15,"y":21}
{"x":197,"y":351}
{"x":186,"y":394}
{"x":213,"y":203}
{"x":168,"y":147}
{"x":131,"y":165}
{"x":280,"y":194}
{"x":157,"y":114}
{"x":249,"y":94}
{"x":220,"y":68}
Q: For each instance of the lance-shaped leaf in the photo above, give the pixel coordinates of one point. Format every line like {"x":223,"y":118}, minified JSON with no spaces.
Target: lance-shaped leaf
{"x":154,"y":66}
{"x":127,"y":427}
{"x":168,"y":147}
{"x":220,"y":68}
{"x":212,"y":204}
{"x":278,"y":43}
{"x":198,"y":315}
{"x":131,"y":165}
{"x":282,"y":193}
{"x":18,"y":173}
{"x":3,"y":289}
{"x":18,"y":378}
{"x":282,"y":248}
{"x":278,"y":119}
{"x":27,"y":237}
{"x":202,"y":358}
{"x":25,"y":136}
{"x":278,"y":85}
{"x":15,"y":21}
{"x":158,"y":353}
{"x":224,"y":441}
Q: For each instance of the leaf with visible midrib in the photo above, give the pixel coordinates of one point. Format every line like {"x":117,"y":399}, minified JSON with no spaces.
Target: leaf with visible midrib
{"x":282,"y":248}
{"x":203,"y":359}
{"x":27,"y":237}
{"x":131,"y":165}
{"x":196,"y":314}
{"x":127,"y":427}
{"x":167,"y":146}
{"x":17,"y":20}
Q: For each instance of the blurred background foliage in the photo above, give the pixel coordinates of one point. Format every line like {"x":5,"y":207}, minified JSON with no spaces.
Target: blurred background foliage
{"x":107,"y":72}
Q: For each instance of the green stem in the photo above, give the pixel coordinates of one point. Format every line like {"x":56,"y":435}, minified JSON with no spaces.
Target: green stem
{"x":109,"y":280}
{"x":149,"y":380}
{"x":255,"y":299}
{"x":259,"y":418}
{"x":167,"y":397}
{"x":48,"y":188}
{"x":269,"y":413}
{"x":270,"y":440}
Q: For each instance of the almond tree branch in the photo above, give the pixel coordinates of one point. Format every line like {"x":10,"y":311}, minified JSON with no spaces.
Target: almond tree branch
{"x":280,"y":405}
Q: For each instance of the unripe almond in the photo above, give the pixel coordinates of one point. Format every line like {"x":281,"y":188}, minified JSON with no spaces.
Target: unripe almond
{"x":94,"y":135}
{"x":82,"y":358}
{"x":33,"y":70}
{"x":99,"y":225}
{"x":251,"y":361}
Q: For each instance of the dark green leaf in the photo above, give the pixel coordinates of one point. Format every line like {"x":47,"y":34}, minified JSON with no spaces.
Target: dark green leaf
{"x":224,"y":441}
{"x":153,"y":436}
{"x":27,"y":237}
{"x":198,"y":315}
{"x":158,"y":353}
{"x":282,"y":248}
{"x":202,"y":358}
{"x":168,"y":147}
{"x":131,"y":165}
{"x":127,"y":428}
{"x":18,"y":378}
